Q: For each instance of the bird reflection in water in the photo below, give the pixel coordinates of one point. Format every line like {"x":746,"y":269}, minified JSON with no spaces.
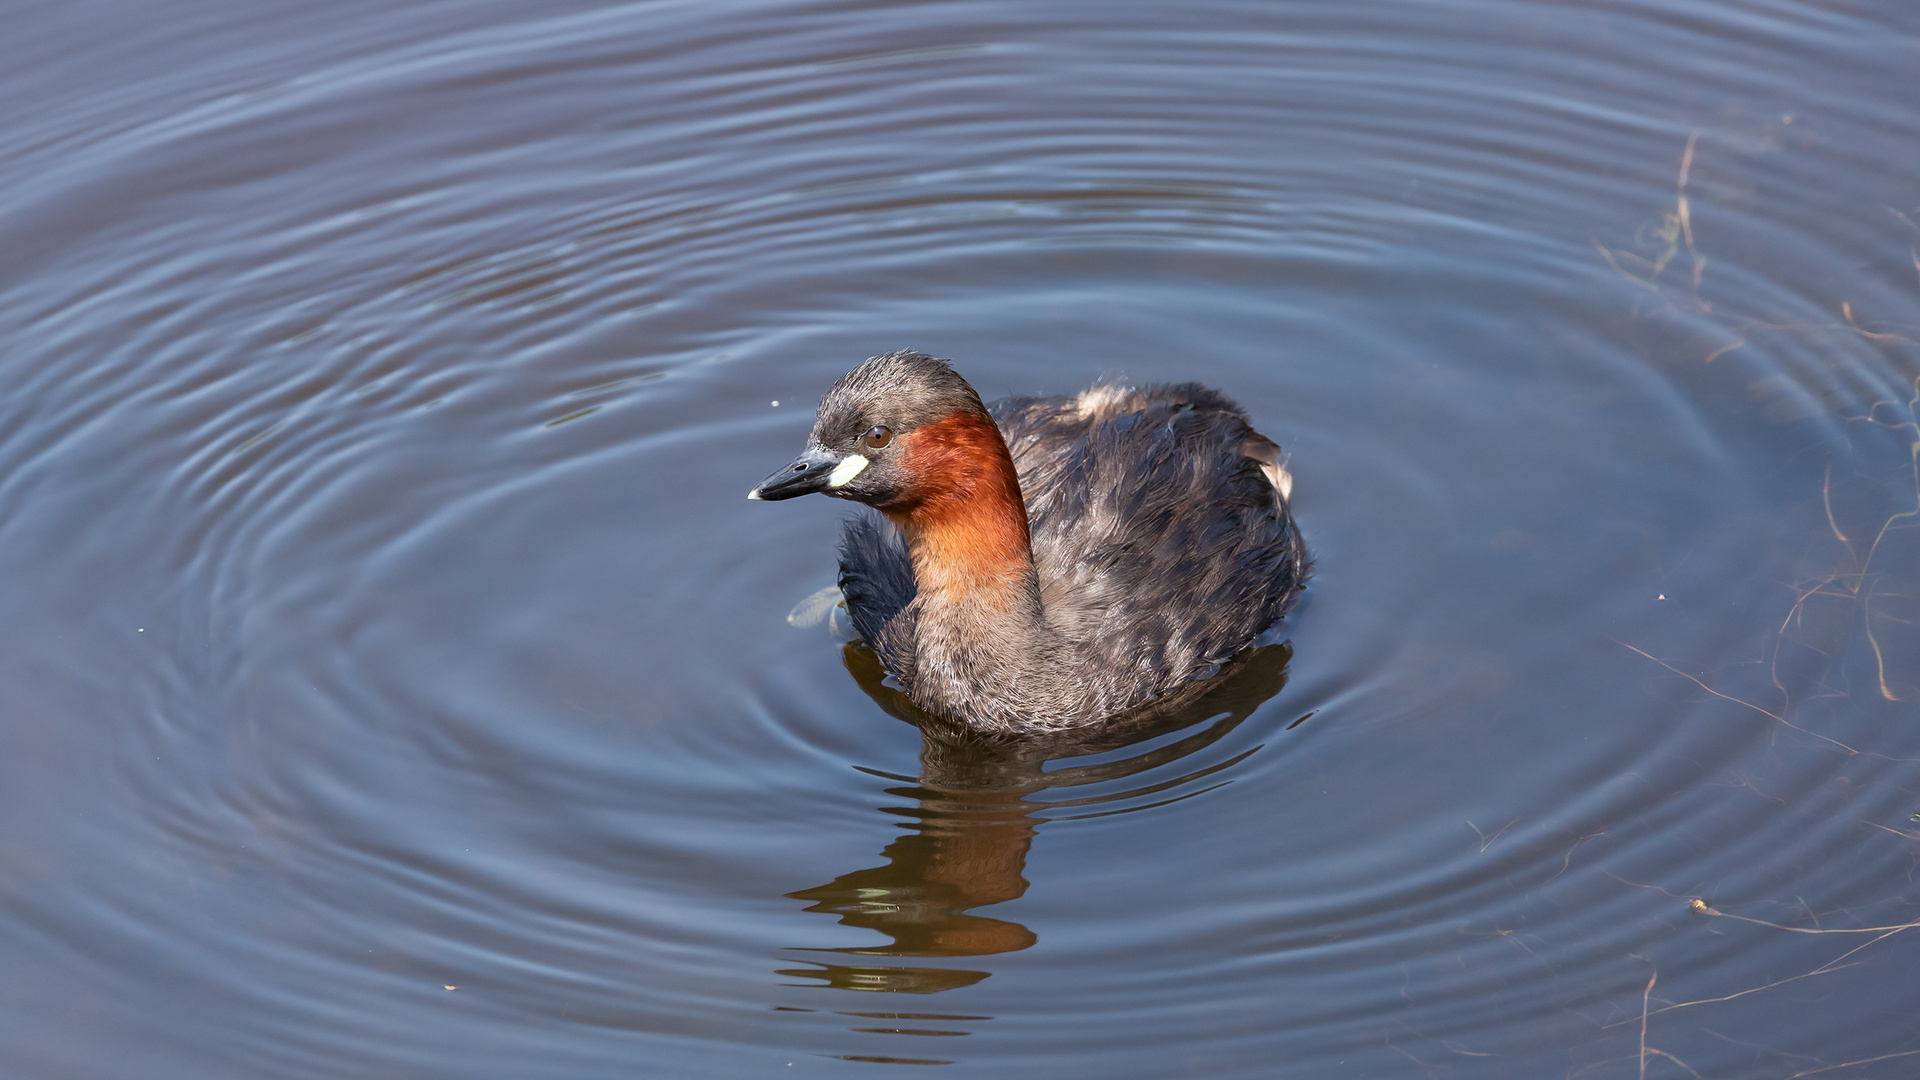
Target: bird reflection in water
{"x":973,"y":818}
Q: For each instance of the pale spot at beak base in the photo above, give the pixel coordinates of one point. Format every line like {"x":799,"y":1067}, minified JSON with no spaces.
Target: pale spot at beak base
{"x":844,"y":472}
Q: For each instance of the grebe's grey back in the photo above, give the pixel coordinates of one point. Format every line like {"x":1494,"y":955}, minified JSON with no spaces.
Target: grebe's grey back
{"x":1045,"y":563}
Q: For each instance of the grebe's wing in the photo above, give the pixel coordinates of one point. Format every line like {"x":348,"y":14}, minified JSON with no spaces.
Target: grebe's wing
{"x":1161,"y":527}
{"x":876,"y":578}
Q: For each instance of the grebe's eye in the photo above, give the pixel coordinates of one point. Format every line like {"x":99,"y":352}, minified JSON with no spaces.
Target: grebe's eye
{"x":878,"y":438}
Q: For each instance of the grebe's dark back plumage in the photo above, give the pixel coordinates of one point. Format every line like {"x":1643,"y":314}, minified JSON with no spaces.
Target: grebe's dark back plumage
{"x":1045,"y":563}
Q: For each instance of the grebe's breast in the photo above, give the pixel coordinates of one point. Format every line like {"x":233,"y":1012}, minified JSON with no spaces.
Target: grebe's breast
{"x":1161,"y":531}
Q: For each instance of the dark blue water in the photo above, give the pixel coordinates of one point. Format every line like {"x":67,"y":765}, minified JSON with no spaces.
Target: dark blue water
{"x":395,"y":682}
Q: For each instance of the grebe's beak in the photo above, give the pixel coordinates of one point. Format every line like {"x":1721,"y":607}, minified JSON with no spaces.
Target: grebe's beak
{"x":812,"y":471}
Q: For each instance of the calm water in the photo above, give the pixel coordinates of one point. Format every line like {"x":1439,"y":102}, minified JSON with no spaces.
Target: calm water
{"x":395,"y":683}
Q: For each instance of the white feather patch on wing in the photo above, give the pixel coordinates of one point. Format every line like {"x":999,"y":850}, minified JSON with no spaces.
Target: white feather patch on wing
{"x":1095,"y":400}
{"x":844,"y":472}
{"x":1281,"y":479}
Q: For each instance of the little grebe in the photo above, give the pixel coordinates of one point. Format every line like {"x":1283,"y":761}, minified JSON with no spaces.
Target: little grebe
{"x":1045,"y":563}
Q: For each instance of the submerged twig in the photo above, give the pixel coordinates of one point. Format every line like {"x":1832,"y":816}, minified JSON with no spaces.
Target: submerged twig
{"x":1826,"y":497}
{"x":1764,"y":712}
{"x":1702,"y":907}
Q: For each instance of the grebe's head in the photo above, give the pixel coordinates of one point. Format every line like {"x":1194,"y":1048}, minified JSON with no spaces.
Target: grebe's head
{"x":863,"y":441}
